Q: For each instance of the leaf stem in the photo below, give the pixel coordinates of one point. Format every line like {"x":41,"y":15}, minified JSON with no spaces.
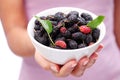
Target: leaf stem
{"x":51,"y":39}
{"x":46,"y":26}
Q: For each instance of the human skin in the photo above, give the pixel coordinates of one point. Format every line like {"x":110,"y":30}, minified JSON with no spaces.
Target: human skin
{"x":14,"y":21}
{"x":117,"y":21}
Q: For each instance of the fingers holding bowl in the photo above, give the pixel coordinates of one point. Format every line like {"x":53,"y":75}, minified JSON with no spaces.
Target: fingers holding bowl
{"x":86,"y":62}
{"x":80,"y":68}
{"x":72,"y":67}
{"x":66,"y":69}
{"x":94,"y":56}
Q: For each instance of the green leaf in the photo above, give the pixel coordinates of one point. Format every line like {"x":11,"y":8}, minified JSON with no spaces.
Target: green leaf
{"x":97,"y":21}
{"x":46,"y":24}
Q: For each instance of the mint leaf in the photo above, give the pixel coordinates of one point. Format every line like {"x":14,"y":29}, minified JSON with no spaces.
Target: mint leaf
{"x":94,"y":23}
{"x":46,"y":24}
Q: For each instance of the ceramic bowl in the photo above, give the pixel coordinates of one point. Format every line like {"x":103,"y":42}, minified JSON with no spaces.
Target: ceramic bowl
{"x":60,"y":56}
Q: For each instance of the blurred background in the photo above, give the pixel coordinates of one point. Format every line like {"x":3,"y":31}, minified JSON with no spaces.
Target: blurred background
{"x":10,"y":64}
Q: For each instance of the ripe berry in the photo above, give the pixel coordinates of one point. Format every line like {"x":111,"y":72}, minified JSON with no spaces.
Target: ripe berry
{"x":86,"y":16}
{"x":63,"y":29}
{"x":59,"y":16}
{"x":37,"y":27}
{"x":42,"y":30}
{"x":88,"y":38}
{"x":71,"y":29}
{"x":69,"y":24}
{"x":55,"y":32}
{"x":73,"y":18}
{"x":85,"y":29}
{"x":78,"y":36}
{"x":50,"y":17}
{"x":61,"y":43}
{"x":96,"y":33}
{"x":38,"y":33}
{"x":81,"y":21}
{"x":82,"y":45}
{"x":54,"y":23}
{"x":43,"y":40}
{"x":67,"y":34}
{"x":37,"y":22}
{"x":43,"y":18}
{"x":72,"y":44}
{"x":60,"y":38}
{"x":73,"y":13}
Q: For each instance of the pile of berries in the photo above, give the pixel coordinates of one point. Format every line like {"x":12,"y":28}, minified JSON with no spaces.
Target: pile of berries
{"x":70,"y":31}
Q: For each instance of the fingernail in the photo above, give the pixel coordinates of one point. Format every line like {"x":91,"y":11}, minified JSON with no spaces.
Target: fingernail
{"x":73,"y":65}
{"x":70,"y":69}
{"x":85,"y":61}
{"x":53,"y":68}
{"x":99,"y":49}
{"x":95,"y":56}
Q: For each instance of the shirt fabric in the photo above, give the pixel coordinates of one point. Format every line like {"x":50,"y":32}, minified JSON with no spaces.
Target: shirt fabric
{"x":107,"y":66}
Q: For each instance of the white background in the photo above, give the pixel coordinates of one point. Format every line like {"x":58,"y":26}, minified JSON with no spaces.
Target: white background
{"x":10,"y":64}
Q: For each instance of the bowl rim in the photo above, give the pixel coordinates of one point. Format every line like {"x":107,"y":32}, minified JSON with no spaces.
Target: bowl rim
{"x":64,"y":50}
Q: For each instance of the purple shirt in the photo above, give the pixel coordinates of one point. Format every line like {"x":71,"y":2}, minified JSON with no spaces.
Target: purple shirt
{"x":107,"y":66}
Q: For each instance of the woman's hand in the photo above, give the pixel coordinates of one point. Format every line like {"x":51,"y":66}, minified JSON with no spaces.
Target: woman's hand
{"x":71,"y":67}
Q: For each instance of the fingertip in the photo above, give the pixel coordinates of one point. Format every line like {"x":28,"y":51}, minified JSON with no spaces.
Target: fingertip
{"x":83,"y":61}
{"x":54,"y":68}
{"x":93,"y":59}
{"x":94,"y":56}
{"x":100,"y":47}
{"x":81,"y":66}
{"x":73,"y":61}
{"x":67,"y":68}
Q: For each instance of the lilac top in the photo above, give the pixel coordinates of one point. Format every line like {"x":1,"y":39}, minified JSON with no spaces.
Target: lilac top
{"x":107,"y":67}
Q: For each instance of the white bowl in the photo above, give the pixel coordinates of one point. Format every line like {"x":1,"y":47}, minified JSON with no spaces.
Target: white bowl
{"x":60,"y":56}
